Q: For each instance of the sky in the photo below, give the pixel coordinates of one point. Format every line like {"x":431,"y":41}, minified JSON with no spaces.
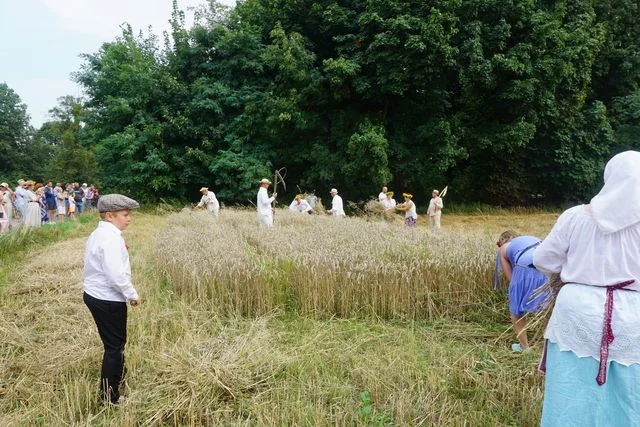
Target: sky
{"x":41,"y":41}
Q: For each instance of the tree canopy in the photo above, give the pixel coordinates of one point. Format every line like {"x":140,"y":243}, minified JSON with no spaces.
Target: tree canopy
{"x":513,"y":102}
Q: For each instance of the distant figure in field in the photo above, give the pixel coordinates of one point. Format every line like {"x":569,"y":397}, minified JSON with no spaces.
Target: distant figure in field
{"x":435,"y":210}
{"x":300,"y":205}
{"x":592,"y":352}
{"x":108,"y":288}
{"x":6,"y":199}
{"x":265,"y":211}
{"x":61,"y":202}
{"x":210,"y":201}
{"x":5,"y":217}
{"x":32,"y":218}
{"x":21,"y":199}
{"x":337,"y":209}
{"x":409,"y":209}
{"x":515,"y":257}
{"x":383,"y":195}
{"x":389,"y":205}
{"x":50,"y":201}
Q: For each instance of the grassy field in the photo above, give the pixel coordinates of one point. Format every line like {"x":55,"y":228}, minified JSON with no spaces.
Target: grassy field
{"x":314,"y":322}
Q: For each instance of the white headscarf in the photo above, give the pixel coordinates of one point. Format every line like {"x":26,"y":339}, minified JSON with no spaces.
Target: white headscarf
{"x":617,"y":205}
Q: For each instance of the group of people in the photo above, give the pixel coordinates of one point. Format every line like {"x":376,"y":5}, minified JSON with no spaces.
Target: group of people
{"x":264,"y":205}
{"x":591,"y":354}
{"x":389,"y":205}
{"x":32,"y":204}
{"x":592,"y":342}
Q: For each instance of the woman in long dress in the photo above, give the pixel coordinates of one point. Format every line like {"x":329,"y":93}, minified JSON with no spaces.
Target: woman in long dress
{"x":42,"y":200}
{"x":34,"y":218}
{"x":515,"y":258}
{"x":592,"y":353}
{"x":6,"y":199}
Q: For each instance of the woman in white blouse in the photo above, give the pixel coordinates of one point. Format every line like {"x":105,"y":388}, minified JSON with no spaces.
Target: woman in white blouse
{"x":592,"y":351}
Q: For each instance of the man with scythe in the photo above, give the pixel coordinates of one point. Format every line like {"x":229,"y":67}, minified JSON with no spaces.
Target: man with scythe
{"x":265,"y":211}
{"x":435,"y":208}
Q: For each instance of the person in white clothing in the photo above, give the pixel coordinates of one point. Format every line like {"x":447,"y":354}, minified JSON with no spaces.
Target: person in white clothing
{"x":21,"y":199}
{"x":337,"y":209}
{"x":383,"y":195}
{"x":409,"y":209}
{"x":300,"y":205}
{"x":592,"y":351}
{"x":108,"y":288}
{"x":389,"y":205}
{"x":389,"y":202}
{"x":265,"y":211}
{"x":210,"y":201}
{"x":6,"y":200}
{"x":435,"y":210}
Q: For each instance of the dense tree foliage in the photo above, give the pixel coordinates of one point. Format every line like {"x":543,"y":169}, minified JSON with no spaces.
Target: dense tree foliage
{"x":22,"y":154}
{"x":512,"y":102}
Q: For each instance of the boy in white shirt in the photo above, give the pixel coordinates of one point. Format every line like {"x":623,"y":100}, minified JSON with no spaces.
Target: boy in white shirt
{"x":108,"y":288}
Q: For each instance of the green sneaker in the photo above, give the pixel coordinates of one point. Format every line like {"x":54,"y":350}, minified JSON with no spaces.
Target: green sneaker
{"x":517,"y":348}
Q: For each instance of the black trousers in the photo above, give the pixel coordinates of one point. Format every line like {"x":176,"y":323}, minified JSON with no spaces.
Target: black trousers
{"x":111,"y":320}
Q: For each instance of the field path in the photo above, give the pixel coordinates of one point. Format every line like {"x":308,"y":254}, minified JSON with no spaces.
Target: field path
{"x":47,"y":335}
{"x":189,"y":366}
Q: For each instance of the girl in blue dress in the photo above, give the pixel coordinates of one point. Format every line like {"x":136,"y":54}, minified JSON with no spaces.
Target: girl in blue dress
{"x":515,"y":257}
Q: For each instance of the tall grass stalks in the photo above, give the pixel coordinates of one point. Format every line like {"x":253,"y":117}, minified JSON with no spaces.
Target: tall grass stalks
{"x":322,"y":267}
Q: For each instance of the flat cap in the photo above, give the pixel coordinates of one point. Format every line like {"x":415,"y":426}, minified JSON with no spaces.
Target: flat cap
{"x":116,"y":202}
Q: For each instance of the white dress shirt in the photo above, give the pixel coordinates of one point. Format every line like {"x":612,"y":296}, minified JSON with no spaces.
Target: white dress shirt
{"x":337,"y":209}
{"x":382,"y":197}
{"x":107,"y":272}
{"x":264,"y":206}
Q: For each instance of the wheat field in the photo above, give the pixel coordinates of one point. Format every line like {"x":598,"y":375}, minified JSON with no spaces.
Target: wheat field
{"x":313,"y":322}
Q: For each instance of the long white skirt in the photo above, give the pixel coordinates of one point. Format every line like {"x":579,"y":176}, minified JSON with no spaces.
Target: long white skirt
{"x":33,"y":215}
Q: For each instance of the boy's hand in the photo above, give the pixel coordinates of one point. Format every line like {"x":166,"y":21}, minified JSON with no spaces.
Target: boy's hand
{"x":134,"y":302}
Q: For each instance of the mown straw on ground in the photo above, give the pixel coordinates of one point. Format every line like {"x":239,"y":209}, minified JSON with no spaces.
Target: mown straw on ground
{"x":212,"y":348}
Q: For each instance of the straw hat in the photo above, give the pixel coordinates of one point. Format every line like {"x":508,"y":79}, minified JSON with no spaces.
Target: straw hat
{"x":333,"y":191}
{"x":265,"y":181}
{"x":389,"y":193}
{"x":4,"y":184}
{"x":435,"y":192}
{"x":407,"y":195}
{"x":204,"y":189}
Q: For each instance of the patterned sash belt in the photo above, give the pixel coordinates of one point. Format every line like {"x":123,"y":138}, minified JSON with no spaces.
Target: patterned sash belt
{"x":607,"y":331}
{"x":607,"y":335}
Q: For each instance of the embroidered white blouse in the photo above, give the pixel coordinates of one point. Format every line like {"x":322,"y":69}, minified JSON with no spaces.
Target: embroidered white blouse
{"x":588,"y":260}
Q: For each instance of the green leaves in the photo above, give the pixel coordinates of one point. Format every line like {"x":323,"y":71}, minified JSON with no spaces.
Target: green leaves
{"x":508,"y":102}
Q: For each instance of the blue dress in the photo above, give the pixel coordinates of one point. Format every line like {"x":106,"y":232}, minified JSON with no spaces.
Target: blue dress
{"x":525,"y":279}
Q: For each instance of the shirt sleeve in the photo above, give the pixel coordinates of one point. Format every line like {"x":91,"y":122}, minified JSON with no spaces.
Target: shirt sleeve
{"x":551,"y":255}
{"x":117,"y":270}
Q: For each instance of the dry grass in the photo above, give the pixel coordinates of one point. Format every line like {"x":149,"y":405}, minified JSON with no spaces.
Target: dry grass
{"x":243,"y":326}
{"x":319,"y":266}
